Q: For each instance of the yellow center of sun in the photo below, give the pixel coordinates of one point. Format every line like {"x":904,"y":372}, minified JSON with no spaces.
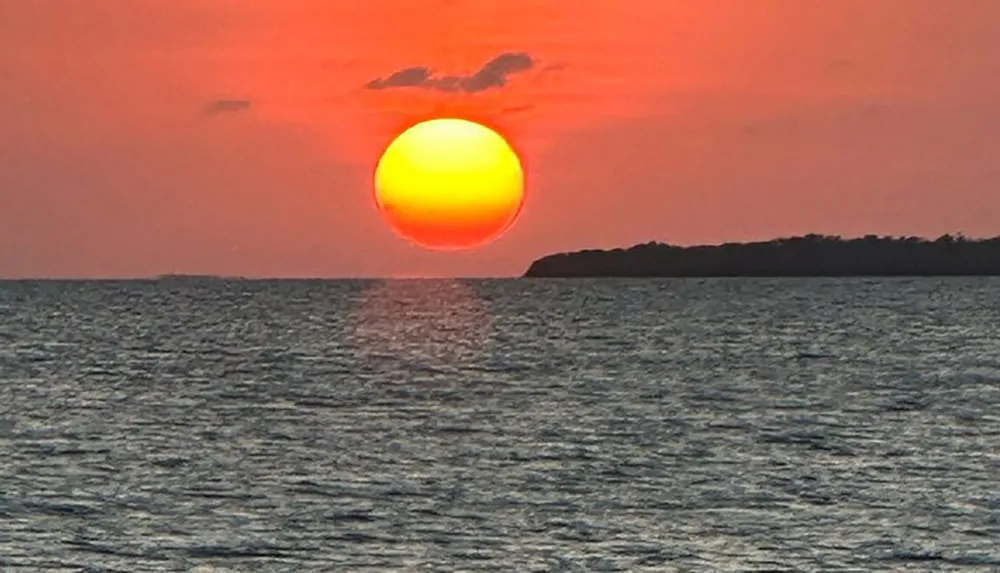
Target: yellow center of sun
{"x":449,"y":184}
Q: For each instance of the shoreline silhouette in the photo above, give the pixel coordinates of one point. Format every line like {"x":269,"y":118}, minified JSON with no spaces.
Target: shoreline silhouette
{"x":811,"y":255}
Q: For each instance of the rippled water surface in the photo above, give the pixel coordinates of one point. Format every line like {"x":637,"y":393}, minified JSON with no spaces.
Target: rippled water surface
{"x":685,"y":425}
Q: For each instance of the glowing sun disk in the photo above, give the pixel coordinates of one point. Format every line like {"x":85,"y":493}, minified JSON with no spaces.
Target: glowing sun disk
{"x":449,"y":184}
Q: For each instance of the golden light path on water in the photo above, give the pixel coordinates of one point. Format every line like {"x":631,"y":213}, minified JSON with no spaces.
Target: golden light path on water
{"x":421,"y":324}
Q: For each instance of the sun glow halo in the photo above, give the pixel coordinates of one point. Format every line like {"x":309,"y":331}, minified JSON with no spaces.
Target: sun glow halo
{"x":449,"y":184}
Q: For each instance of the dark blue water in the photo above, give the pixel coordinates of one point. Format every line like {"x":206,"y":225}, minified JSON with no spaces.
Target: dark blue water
{"x":686,"y":425}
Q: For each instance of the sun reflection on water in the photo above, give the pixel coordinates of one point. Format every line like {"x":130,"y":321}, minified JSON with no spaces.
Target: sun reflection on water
{"x":439,"y":323}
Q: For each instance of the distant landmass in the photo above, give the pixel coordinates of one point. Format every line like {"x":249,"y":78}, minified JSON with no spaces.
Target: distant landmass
{"x":808,"y":256}
{"x":190,"y":277}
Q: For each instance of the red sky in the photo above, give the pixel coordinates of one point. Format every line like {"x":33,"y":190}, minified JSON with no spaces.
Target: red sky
{"x":682,"y":121}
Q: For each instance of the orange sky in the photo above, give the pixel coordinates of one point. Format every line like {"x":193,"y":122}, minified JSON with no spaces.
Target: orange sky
{"x":683,"y":121}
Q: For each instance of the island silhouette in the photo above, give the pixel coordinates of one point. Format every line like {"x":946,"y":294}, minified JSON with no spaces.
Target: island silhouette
{"x":811,"y":255}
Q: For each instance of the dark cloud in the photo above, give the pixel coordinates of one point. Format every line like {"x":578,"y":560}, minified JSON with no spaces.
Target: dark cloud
{"x":493,"y":74}
{"x":410,"y":77}
{"x":227,"y":106}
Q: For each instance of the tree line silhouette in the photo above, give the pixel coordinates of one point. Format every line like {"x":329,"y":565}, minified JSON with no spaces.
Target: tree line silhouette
{"x":811,"y":255}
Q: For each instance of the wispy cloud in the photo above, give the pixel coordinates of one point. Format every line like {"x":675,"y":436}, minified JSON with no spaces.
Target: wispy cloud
{"x":227,"y":106}
{"x":518,"y":108}
{"x":493,"y":74}
{"x":851,"y":116}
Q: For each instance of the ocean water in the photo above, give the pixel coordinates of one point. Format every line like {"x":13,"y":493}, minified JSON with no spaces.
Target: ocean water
{"x":601,"y":425}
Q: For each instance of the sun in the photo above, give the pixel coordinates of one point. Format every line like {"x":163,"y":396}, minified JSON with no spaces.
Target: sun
{"x":449,"y":184}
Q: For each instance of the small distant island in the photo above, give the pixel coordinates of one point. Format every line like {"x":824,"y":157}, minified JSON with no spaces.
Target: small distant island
{"x":172,"y":277}
{"x":807,"y":256}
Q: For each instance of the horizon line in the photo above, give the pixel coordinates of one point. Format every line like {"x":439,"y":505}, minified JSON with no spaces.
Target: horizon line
{"x":175,"y":275}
